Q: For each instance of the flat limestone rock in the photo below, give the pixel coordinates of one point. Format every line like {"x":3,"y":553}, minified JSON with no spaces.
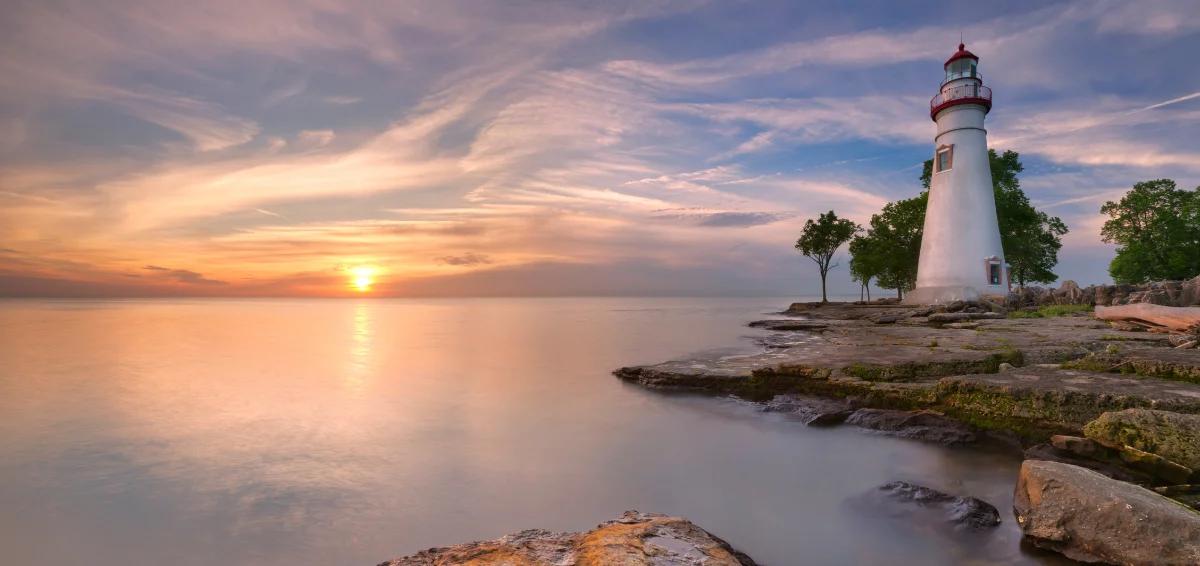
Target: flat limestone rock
{"x":961,"y":316}
{"x":1091,"y":518}
{"x":1173,"y":436}
{"x":636,"y":538}
{"x":1006,"y":375}
{"x":1155,"y":465}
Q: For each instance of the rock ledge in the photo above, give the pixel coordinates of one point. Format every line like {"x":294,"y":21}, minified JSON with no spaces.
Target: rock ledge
{"x":648,"y":539}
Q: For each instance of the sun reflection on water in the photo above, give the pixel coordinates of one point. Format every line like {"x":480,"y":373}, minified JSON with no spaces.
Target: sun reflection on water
{"x":358,"y":369}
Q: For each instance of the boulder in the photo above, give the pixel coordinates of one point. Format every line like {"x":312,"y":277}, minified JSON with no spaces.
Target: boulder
{"x":1013,"y":300}
{"x":1173,"y":436}
{"x":1068,"y":293}
{"x":1151,"y":296}
{"x":1081,"y":446}
{"x":635,"y":538}
{"x":915,"y":503}
{"x":1089,"y":295}
{"x":927,"y":426}
{"x":992,"y":303}
{"x":1049,"y":453}
{"x":1091,"y":518}
{"x":1120,"y":294}
{"x":1189,"y":293}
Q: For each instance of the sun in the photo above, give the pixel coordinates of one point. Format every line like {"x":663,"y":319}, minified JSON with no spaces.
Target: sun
{"x":361,"y":277}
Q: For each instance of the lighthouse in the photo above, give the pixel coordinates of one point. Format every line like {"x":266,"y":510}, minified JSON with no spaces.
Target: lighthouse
{"x":961,"y":255}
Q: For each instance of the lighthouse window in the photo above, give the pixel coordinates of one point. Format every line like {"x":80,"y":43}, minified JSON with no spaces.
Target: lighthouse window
{"x":994,"y":273}
{"x":944,"y":160}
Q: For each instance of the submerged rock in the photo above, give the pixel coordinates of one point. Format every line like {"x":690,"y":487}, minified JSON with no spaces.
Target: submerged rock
{"x":1091,"y":518}
{"x":919,"y":425}
{"x":1173,"y":436}
{"x":635,"y":538}
{"x":911,"y":502}
{"x":813,"y":411}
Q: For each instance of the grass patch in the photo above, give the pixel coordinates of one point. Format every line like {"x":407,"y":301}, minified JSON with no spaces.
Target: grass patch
{"x":1051,"y":311}
{"x":980,"y":348}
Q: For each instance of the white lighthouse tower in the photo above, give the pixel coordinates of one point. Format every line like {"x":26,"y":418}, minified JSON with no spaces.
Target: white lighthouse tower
{"x":961,"y":255}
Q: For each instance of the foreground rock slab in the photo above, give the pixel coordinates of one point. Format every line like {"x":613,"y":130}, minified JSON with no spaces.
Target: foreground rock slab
{"x":636,"y":538}
{"x":1091,"y":518}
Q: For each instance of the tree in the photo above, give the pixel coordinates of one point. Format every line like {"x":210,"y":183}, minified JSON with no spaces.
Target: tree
{"x":1030,"y":237}
{"x":821,"y":239}
{"x":1157,"y":227}
{"x":866,"y":263}
{"x":893,"y":243}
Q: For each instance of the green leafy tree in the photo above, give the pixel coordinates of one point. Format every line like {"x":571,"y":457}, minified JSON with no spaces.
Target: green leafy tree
{"x":1031,"y":238}
{"x":866,"y":263}
{"x":1157,"y":227}
{"x":891,"y":248}
{"x":820,"y":240}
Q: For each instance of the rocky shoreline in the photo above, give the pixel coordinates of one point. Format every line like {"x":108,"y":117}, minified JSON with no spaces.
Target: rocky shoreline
{"x":1107,"y":416}
{"x":1029,"y":377}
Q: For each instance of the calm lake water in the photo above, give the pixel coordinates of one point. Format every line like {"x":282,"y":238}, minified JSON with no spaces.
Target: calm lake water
{"x":347,"y":432}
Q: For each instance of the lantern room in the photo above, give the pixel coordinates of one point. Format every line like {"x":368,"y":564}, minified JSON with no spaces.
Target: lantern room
{"x":962,"y":65}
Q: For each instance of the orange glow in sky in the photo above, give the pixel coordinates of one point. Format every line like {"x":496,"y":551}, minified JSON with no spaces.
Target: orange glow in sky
{"x":362,"y":277}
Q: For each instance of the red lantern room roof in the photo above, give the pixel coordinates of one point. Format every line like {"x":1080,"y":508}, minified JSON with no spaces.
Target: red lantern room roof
{"x":962,"y":54}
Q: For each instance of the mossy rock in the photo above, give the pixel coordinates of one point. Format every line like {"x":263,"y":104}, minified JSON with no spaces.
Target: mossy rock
{"x":1173,"y":436}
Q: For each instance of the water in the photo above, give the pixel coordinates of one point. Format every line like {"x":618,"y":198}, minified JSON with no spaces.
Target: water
{"x":340,"y":432}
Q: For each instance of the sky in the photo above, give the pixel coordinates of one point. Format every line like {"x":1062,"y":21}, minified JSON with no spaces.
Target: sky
{"x":543,"y":147}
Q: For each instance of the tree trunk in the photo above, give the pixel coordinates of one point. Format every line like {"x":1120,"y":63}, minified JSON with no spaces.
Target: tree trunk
{"x":1176,"y":318}
{"x":899,"y":293}
{"x":824,"y":298}
{"x":868,"y":286}
{"x":860,"y":292}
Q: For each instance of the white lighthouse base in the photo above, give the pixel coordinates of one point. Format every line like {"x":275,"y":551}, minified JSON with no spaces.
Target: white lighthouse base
{"x":940,"y":295}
